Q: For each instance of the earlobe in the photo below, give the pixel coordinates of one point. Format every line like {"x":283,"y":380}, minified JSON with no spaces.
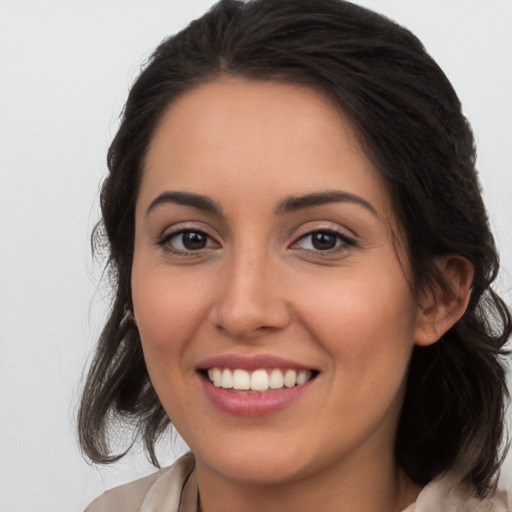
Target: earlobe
{"x":131,"y":316}
{"x":446,"y":301}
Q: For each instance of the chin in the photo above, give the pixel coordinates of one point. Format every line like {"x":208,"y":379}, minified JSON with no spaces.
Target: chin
{"x":259,"y":464}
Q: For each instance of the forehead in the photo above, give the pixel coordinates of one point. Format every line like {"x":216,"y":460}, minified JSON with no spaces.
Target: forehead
{"x":247,"y":136}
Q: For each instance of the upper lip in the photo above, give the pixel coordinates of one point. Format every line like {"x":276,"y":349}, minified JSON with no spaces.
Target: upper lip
{"x":250,"y":363}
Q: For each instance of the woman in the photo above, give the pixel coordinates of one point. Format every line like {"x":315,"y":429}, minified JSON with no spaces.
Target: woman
{"x":302,"y":263}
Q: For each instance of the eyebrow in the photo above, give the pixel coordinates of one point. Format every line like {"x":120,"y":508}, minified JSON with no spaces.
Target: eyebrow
{"x":287,"y":205}
{"x":197,"y":201}
{"x":294,"y":203}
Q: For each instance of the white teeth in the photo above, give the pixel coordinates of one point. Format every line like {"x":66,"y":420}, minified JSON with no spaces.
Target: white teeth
{"x":276,"y":379}
{"x":217,"y":377}
{"x":227,"y":379}
{"x":258,"y":380}
{"x":241,"y":379}
{"x":303,"y":376}
{"x":290,"y":378}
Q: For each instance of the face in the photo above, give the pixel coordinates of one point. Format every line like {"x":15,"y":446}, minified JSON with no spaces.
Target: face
{"x":264,"y":262}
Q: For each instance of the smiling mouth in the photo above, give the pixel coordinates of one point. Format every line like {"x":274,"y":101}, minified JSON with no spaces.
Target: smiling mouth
{"x":260,"y":380}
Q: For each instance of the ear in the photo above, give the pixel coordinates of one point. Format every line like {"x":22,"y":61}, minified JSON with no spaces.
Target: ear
{"x":442,"y":306}
{"x":131,"y":315}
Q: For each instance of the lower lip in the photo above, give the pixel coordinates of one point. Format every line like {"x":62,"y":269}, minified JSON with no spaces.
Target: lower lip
{"x":253,"y":404}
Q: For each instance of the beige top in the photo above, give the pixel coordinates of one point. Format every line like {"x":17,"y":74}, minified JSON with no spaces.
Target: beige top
{"x":174,"y":489}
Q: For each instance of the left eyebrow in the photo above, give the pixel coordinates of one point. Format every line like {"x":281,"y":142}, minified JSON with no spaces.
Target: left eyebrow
{"x":294,"y":203}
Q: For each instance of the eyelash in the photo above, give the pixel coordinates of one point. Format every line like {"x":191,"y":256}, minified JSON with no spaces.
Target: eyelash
{"x":343,"y":242}
{"x":165,"y":242}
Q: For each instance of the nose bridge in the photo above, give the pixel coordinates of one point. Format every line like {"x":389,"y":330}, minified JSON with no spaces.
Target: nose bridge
{"x":249,"y":297}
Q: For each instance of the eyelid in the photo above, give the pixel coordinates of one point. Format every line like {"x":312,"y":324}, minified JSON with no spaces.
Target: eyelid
{"x":181,"y":228}
{"x":177,"y":227}
{"x":344,"y":239}
{"x":332,"y":227}
{"x":347,"y":240}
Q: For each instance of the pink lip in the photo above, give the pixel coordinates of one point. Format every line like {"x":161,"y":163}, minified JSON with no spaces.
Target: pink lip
{"x":250,"y":363}
{"x":253,"y":404}
{"x":250,"y":404}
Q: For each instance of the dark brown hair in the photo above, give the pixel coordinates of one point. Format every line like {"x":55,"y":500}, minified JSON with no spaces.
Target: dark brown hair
{"x":412,"y":128}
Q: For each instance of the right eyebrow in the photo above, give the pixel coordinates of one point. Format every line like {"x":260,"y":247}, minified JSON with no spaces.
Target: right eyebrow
{"x":198,"y":201}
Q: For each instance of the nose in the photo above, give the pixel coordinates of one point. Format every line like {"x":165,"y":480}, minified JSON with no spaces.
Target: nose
{"x":249,"y":300}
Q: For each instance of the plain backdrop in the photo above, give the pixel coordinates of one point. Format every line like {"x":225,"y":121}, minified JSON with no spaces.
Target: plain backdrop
{"x":65,"y":70}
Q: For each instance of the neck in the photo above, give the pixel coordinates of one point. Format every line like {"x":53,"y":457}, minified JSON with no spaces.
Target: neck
{"x":375,"y":487}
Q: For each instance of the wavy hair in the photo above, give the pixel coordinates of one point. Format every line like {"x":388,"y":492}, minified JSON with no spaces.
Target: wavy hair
{"x":412,"y":128}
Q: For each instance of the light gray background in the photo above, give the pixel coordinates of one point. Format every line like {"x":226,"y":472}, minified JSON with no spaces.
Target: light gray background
{"x":65,"y":69}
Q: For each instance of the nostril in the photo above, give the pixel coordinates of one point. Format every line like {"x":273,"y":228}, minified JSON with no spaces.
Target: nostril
{"x":246,"y":320}
{"x":248,"y":299}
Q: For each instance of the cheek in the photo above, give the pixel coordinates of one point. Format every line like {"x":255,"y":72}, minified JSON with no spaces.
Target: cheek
{"x":364,"y":321}
{"x":167,"y":311}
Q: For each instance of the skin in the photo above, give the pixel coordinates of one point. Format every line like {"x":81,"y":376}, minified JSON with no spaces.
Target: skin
{"x":259,"y":286}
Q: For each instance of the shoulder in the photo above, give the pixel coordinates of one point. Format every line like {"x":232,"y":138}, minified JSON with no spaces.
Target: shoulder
{"x":446,"y":494}
{"x":164,"y":484}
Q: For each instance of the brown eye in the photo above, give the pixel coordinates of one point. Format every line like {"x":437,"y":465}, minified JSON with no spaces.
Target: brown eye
{"x":193,"y":240}
{"x":188,"y":240}
{"x":323,"y":241}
